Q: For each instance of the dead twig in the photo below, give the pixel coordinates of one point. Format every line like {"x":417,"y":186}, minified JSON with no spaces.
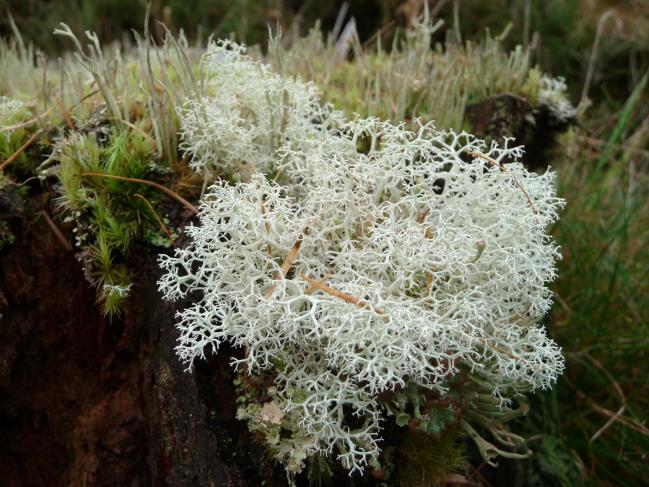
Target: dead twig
{"x":65,"y":243}
{"x":312,"y":289}
{"x":619,"y":393}
{"x":500,"y":350}
{"x":422,"y":218}
{"x":385,"y":28}
{"x":44,"y":114}
{"x":631,"y":423}
{"x":348,"y":298}
{"x":269,"y":249}
{"x":164,"y":227}
{"x":288,"y":262}
{"x":65,"y":113}
{"x":142,"y":131}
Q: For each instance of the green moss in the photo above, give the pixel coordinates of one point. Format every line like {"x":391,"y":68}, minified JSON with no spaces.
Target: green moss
{"x":111,"y":215}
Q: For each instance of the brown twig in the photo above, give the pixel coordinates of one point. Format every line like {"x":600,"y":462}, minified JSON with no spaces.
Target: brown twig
{"x":379,"y":32}
{"x":348,"y":298}
{"x":502,"y":168}
{"x":20,"y":150}
{"x":66,"y":113}
{"x":65,"y":243}
{"x":500,"y":350}
{"x":631,"y":423}
{"x":422,"y":218}
{"x":312,"y":289}
{"x":28,"y":123}
{"x":162,"y":188}
{"x":288,"y":262}
{"x":164,"y":227}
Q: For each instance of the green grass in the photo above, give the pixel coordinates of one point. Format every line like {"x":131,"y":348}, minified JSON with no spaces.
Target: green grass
{"x":601,"y":318}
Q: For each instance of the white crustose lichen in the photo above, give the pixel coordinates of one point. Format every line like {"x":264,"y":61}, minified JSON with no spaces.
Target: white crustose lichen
{"x":386,"y":256}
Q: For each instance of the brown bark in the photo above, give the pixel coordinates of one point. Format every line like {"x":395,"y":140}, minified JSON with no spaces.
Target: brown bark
{"x":87,"y":401}
{"x":511,"y":116}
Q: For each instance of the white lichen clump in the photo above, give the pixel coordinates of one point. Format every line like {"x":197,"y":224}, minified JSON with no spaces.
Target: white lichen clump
{"x":12,"y":111}
{"x":386,"y":257}
{"x":245,"y":113}
{"x":116,"y":290}
{"x":553,"y":95}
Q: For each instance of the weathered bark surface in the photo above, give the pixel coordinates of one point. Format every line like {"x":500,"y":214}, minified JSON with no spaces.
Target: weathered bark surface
{"x":511,"y":116}
{"x":86,"y":401}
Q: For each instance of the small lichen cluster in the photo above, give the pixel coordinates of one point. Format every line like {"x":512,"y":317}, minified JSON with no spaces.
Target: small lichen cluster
{"x":552,"y":94}
{"x":11,"y":110}
{"x":12,"y":113}
{"x":361,"y":258}
{"x":245,"y":113}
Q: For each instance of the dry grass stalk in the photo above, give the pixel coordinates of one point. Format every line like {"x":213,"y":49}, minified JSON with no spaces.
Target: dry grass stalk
{"x":422,"y":217}
{"x":164,"y":227}
{"x":143,"y":132}
{"x":269,"y":249}
{"x":311,"y":289}
{"x":40,"y":117}
{"x":65,"y":113}
{"x":499,"y":350}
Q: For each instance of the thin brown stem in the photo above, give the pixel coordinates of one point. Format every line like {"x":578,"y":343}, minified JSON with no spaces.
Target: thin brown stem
{"x":269,"y":249}
{"x":422,"y":217}
{"x":162,"y":188}
{"x":499,"y":350}
{"x":143,"y":132}
{"x":44,"y":114}
{"x":164,"y":227}
{"x":65,"y":243}
{"x":312,"y":289}
{"x":616,"y":386}
{"x":65,"y":113}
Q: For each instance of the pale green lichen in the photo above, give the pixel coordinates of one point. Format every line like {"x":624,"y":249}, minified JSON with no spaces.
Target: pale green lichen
{"x":287,"y":442}
{"x":381,"y":257}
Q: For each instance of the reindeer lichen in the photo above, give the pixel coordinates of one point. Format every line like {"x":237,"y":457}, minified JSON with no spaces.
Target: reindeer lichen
{"x":383,"y":258}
